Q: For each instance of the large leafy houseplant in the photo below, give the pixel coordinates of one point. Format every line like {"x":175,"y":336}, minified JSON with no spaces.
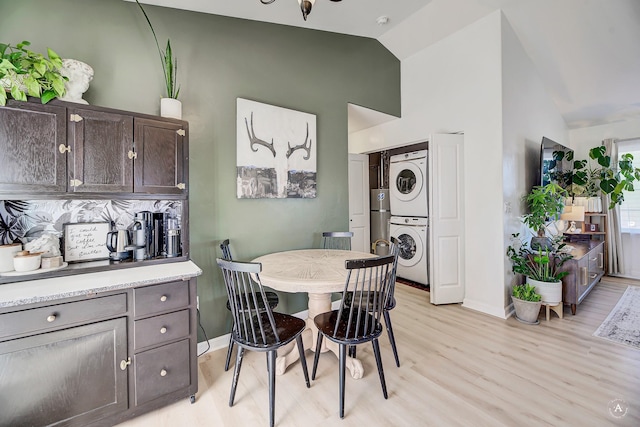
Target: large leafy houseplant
{"x":168,"y":61}
{"x":543,"y":265}
{"x":24,"y":72}
{"x":545,"y":203}
{"x":606,"y":178}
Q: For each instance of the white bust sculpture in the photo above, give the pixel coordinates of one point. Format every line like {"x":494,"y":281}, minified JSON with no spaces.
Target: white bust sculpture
{"x":79,"y":75}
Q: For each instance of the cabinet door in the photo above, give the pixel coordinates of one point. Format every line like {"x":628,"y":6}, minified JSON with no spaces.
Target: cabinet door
{"x":68,"y":377}
{"x":160,"y":157}
{"x":100,"y":144}
{"x":30,"y":137}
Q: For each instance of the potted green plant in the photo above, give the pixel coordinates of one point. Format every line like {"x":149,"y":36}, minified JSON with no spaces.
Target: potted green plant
{"x":545,"y":203}
{"x":24,"y":72}
{"x":169,"y":105}
{"x":526,"y":303}
{"x":608,"y":178}
{"x":542,"y":267}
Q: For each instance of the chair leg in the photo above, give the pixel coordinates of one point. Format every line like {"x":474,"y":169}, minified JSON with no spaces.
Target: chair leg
{"x":317,"y":355}
{"x":352,"y":351}
{"x":271,"y":361}
{"x":229,"y":351}
{"x":341,"y":371}
{"x":236,"y":374}
{"x":387,"y":322}
{"x":303,"y":359}
{"x":376,"y":351}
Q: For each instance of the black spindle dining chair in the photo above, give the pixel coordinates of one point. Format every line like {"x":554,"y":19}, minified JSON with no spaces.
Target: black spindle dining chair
{"x":368,"y":281}
{"x":394,"y":250}
{"x":255,"y":326}
{"x":337,"y":240}
{"x":272,"y":298}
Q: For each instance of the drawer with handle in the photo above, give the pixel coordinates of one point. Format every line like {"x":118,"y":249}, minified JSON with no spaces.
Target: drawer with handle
{"x":161,"y":371}
{"x":161,"y":329}
{"x":61,"y":315}
{"x":160,"y":298}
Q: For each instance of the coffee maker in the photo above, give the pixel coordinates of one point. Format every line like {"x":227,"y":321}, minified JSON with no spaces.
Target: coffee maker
{"x":174,"y":242}
{"x":143,"y":235}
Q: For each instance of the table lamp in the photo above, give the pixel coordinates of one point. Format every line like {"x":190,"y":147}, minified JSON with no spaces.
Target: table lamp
{"x":573,"y":214}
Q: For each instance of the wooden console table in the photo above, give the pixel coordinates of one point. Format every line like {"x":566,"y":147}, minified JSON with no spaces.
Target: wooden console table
{"x":586,"y":268}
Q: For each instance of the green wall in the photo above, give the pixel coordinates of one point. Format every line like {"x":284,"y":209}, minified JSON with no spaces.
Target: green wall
{"x":221,"y":59}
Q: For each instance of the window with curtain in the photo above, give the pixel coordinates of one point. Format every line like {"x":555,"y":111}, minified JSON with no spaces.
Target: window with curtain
{"x":630,"y":208}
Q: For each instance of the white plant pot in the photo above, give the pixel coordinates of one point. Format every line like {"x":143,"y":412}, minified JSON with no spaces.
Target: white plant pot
{"x":171,"y":107}
{"x":551,"y":292}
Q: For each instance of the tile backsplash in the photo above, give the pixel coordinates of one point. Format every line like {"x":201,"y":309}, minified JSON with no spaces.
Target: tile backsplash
{"x":23,"y":221}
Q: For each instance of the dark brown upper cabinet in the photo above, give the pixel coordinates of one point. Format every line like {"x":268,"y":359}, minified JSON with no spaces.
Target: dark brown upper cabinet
{"x":32,"y":148}
{"x":160,"y":151}
{"x":101,"y":147}
{"x":63,"y":148}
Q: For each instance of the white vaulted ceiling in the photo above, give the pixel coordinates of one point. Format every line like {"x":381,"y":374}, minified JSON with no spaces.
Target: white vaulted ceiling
{"x":587,"y":52}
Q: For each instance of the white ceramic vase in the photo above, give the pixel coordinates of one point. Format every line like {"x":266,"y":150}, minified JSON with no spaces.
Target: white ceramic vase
{"x":171,"y":107}
{"x":594,"y":204}
{"x":551,"y":292}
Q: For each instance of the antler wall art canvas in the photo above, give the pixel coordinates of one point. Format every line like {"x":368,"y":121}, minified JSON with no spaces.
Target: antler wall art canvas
{"x":276,"y":152}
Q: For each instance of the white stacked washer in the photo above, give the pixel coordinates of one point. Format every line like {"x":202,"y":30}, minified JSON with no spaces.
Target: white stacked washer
{"x":409,"y":213}
{"x":408,"y":184}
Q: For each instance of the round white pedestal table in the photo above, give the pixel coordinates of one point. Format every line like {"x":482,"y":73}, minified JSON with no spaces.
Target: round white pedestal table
{"x":319,"y":273}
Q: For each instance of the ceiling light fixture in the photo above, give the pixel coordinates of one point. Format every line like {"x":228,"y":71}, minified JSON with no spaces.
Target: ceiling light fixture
{"x":305,"y":6}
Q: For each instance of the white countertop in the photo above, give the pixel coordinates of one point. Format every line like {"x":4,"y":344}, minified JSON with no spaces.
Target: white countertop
{"x":35,"y":291}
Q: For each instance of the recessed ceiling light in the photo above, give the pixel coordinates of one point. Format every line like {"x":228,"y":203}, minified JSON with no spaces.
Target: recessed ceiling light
{"x":382,"y":20}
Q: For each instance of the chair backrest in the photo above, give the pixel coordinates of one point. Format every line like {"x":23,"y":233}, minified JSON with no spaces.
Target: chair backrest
{"x":368,"y":281}
{"x":394,"y":250}
{"x":337,"y":240}
{"x":253,"y":322}
{"x":226,"y":250}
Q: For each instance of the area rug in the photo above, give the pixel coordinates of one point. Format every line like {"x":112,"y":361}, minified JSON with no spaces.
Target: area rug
{"x":622,"y":325}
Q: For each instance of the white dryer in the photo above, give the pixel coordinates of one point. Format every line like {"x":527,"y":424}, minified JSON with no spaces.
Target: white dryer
{"x":412,"y":234}
{"x":408,"y":184}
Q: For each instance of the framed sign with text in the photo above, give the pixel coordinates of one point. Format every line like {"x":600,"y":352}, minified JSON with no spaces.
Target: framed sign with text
{"x":85,"y":241}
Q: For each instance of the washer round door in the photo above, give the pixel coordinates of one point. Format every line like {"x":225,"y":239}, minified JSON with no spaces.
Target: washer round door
{"x":409,"y":180}
{"x":411,"y":246}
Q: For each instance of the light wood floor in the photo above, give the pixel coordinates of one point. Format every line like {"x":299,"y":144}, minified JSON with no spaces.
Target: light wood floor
{"x":458,"y":368}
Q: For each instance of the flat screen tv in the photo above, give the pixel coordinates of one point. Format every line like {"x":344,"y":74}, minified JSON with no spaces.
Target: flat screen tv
{"x":556,"y":163}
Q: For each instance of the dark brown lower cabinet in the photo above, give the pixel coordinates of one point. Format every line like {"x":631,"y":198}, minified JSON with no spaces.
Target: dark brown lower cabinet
{"x":100,"y":360}
{"x":64,"y":377}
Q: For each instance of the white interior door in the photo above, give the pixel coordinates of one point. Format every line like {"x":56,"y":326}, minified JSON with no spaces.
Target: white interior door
{"x":359,"y":202}
{"x":446,"y":221}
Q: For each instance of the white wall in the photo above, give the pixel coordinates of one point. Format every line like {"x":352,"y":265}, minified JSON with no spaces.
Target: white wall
{"x":478,"y":81}
{"x":528,"y":114}
{"x":455,"y":85}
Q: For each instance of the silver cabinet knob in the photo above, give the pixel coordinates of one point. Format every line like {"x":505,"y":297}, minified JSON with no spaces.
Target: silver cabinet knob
{"x":163,"y":298}
{"x":163,"y":330}
{"x":51,"y":318}
{"x":163,"y":373}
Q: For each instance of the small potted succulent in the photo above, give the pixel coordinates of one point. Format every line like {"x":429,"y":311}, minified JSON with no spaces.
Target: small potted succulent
{"x":24,"y":72}
{"x":526,"y":303}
